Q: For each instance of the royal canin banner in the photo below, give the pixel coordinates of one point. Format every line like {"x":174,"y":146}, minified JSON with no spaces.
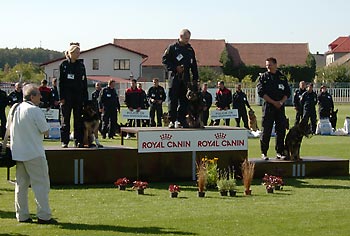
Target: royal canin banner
{"x":192,"y":140}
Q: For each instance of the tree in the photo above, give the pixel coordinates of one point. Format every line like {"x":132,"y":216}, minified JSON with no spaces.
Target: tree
{"x":331,"y":74}
{"x":207,"y":74}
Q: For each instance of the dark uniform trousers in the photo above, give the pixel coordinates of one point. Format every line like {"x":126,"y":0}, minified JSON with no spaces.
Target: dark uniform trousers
{"x":178,"y":102}
{"x":242,"y":113}
{"x":310,"y":114}
{"x":156,"y":108}
{"x":66,"y":109}
{"x":3,"y":121}
{"x":270,"y":115}
{"x":109,"y":122}
{"x":205,"y":116}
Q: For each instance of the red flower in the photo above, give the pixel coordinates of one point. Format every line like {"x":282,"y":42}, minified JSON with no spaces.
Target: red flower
{"x":174,"y":188}
{"x":121,"y":182}
{"x":140,"y":185}
{"x":271,"y":181}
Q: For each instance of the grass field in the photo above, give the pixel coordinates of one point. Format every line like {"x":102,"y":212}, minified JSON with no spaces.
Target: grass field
{"x":306,"y":206}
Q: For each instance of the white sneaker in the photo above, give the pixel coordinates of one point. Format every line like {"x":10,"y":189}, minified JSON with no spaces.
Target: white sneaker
{"x":280,"y":156}
{"x":127,"y":136}
{"x":171,"y":125}
{"x":177,"y":125}
{"x":264,"y":157}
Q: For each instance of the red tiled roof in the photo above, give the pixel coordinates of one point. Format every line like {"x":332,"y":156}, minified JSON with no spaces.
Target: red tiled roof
{"x":341,"y":44}
{"x":95,"y":48}
{"x":106,"y":78}
{"x":208,"y":52}
{"x":256,"y":53}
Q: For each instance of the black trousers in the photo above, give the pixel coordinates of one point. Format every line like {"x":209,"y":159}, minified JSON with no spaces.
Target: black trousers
{"x":273,"y":115}
{"x":156,"y":108}
{"x":109,"y":123}
{"x":227,"y":122}
{"x":298,"y":115}
{"x":178,"y":102}
{"x":242,"y":114}
{"x":310,"y":115}
{"x":3,"y":122}
{"x":205,"y":117}
{"x":67,"y":109}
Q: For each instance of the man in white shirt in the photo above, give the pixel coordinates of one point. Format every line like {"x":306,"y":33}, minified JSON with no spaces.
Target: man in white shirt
{"x":27,"y":132}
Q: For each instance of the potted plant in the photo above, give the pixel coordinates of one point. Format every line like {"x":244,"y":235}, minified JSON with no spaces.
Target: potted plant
{"x":232,"y":183}
{"x":202,"y":175}
{"x":212,"y":170}
{"x":247,"y":175}
{"x":121,"y":183}
{"x":272,"y":182}
{"x":174,"y":190}
{"x":222,"y":182}
{"x":140,"y":186}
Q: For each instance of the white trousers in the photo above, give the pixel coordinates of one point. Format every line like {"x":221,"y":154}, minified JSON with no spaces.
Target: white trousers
{"x":34,"y":172}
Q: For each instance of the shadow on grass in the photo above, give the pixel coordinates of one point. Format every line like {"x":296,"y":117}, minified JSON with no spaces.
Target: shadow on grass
{"x":299,"y":183}
{"x":7,"y":214}
{"x":13,"y":234}
{"x":123,"y":229}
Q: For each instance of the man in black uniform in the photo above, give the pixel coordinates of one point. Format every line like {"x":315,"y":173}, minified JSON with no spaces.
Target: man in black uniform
{"x":16,"y":96}
{"x":45,"y":100}
{"x":4,"y":101}
{"x":144,"y":104}
{"x":239,"y":102}
{"x":156,"y":96}
{"x":55,"y":98}
{"x":274,"y":89}
{"x":325,"y":103}
{"x":179,"y":59}
{"x":94,"y":97}
{"x":223,"y":100}
{"x":207,"y":101}
{"x":109,"y":105}
{"x":296,"y":101}
{"x":308,"y":103}
{"x":73,"y":92}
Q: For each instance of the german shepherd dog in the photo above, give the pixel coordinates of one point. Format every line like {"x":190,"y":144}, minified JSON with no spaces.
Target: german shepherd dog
{"x":166,"y":119}
{"x":91,"y":123}
{"x":194,"y":109}
{"x":333,"y":119}
{"x":253,"y":124}
{"x":293,"y":140}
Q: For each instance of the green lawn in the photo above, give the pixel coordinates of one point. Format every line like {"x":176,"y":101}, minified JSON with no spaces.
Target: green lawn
{"x":306,"y":206}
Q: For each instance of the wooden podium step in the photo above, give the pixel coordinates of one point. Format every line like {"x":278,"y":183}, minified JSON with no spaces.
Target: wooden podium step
{"x":310,"y":166}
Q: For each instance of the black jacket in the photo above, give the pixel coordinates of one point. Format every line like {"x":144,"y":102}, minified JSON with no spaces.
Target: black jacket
{"x":239,"y":100}
{"x":308,"y":101}
{"x":4,"y":100}
{"x":133,"y":98}
{"x":108,"y":99}
{"x":207,"y":99}
{"x":297,"y":96}
{"x":274,"y":85}
{"x":156,"y":93}
{"x":325,"y":103}
{"x":223,"y":98}
{"x":177,"y":55}
{"x":73,"y":81}
{"x":15,"y":97}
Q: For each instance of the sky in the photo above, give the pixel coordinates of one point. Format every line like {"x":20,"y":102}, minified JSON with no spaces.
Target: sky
{"x":54,"y":24}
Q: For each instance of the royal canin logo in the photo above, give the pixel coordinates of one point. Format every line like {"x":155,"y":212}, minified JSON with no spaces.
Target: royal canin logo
{"x":220,"y":136}
{"x":165,"y":136}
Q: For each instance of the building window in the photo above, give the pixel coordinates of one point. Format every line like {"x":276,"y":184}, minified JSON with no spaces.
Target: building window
{"x":95,"y":64}
{"x":121,"y":64}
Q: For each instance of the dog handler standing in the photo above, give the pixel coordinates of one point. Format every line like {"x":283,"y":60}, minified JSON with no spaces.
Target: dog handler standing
{"x":73,"y":93}
{"x":27,"y":132}
{"x":179,"y":59}
{"x":274,"y":89}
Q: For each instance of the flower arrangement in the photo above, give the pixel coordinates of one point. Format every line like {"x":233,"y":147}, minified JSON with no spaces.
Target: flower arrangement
{"x":121,"y":183}
{"x":272,"y":182}
{"x":247,"y":175}
{"x":173,"y":188}
{"x":140,"y":185}
{"x":202,"y":176}
{"x":212,"y":168}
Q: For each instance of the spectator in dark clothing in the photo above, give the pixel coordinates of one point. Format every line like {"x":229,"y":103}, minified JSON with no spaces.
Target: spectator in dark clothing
{"x":156,"y":96}
{"x":144,"y":104}
{"x":296,"y":101}
{"x":4,"y":101}
{"x":325,"y":103}
{"x":73,"y":94}
{"x":133,"y":102}
{"x":308,"y":102}
{"x":207,"y":101}
{"x":45,"y":101}
{"x":95,"y":97}
{"x":109,"y":106}
{"x":239,"y":102}
{"x":223,"y":99}
{"x":16,"y":96}
{"x":55,"y":98}
{"x":273,"y":87}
